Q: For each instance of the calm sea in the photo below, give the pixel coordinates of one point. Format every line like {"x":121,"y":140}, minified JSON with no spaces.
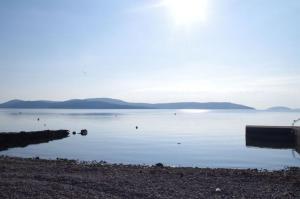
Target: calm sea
{"x":198,"y":138}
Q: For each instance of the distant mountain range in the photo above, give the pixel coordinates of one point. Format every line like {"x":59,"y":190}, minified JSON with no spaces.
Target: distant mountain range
{"x":108,"y":103}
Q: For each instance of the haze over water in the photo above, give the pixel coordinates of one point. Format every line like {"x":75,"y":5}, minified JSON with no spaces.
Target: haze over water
{"x":155,"y":51}
{"x":202,"y":138}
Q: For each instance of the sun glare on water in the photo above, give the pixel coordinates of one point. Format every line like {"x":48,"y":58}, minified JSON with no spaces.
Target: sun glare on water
{"x":187,"y":12}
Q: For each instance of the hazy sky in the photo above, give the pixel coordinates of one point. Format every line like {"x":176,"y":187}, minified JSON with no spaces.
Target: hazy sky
{"x":240,"y":51}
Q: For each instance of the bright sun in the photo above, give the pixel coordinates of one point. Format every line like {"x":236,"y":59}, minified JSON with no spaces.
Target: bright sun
{"x":186,"y":12}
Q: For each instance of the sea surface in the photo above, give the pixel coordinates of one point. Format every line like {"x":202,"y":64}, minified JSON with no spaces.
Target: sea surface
{"x":197,"y":138}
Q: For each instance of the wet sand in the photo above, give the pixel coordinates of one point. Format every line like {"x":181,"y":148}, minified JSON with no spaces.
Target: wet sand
{"x":36,"y":178}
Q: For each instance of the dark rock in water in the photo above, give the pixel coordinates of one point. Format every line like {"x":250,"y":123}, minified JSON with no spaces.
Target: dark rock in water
{"x":23,"y":139}
{"x":74,"y":132}
{"x":83,"y":132}
{"x":159,"y":165}
{"x":38,"y":119}
{"x":61,"y":159}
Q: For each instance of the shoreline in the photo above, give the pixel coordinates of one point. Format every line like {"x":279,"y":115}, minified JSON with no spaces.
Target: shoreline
{"x":62,"y":178}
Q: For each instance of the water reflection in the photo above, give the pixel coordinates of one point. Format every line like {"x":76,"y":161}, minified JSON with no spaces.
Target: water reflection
{"x":189,"y":138}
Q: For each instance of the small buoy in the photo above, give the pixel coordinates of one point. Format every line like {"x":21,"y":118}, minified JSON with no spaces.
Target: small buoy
{"x":38,"y":119}
{"x":136,"y":127}
{"x":175,"y":113}
{"x":218,"y":190}
{"x":74,"y":132}
{"x":178,"y":143}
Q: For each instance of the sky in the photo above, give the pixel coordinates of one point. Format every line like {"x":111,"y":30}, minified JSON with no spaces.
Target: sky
{"x":239,"y":51}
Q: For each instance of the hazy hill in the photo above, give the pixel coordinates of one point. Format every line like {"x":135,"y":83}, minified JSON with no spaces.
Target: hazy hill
{"x":108,"y":103}
{"x":279,"y":108}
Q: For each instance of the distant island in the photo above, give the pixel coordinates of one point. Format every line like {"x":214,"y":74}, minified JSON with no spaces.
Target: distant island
{"x":279,"y":108}
{"x":108,"y":103}
{"x":282,"y":109}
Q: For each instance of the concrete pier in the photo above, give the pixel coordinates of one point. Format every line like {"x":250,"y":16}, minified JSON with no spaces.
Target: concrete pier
{"x":273,"y":136}
{"x":297,"y":133}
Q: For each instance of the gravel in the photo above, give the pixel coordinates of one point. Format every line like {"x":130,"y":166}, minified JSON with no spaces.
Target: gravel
{"x":38,"y":178}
